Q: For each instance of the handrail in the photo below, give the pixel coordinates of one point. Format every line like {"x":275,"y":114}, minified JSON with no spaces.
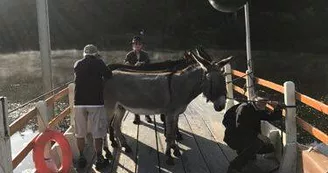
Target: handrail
{"x":238,"y":73}
{"x":62,"y":93}
{"x":312,"y":130}
{"x":59,"y":117}
{"x":270,"y":85}
{"x":301,"y":97}
{"x":23,"y":153}
{"x":22,"y":121}
{"x":312,"y":102}
{"x":239,"y":90}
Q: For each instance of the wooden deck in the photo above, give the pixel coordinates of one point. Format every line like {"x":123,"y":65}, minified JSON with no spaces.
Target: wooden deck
{"x":202,"y":147}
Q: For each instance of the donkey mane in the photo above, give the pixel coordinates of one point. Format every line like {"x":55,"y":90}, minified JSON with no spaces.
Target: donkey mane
{"x":166,"y":66}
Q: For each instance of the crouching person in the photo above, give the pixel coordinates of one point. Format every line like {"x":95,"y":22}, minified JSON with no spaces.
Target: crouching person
{"x":90,"y":73}
{"x":243,"y":131}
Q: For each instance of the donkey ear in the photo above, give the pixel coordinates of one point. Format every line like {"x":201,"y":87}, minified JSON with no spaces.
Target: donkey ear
{"x":202,"y":53}
{"x":203,"y":63}
{"x":223,"y":62}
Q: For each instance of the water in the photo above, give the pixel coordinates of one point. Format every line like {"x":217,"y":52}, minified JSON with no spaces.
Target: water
{"x":18,"y":142}
{"x":21,"y":80}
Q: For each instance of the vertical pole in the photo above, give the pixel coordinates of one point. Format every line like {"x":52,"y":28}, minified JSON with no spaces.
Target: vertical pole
{"x":71,"y":135}
{"x":290,"y":152}
{"x":248,"y":39}
{"x":44,"y":42}
{"x":229,"y":86}
{"x":43,"y":120}
{"x":5,"y":146}
{"x":71,"y":90}
{"x":45,"y":48}
{"x":250,"y":87}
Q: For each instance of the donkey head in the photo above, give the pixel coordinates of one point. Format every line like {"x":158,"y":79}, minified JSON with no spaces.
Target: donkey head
{"x":213,"y":84}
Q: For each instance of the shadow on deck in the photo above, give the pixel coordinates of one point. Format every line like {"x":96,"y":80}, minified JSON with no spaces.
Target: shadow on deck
{"x":202,"y":147}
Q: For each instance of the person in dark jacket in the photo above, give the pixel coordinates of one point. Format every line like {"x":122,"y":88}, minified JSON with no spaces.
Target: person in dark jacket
{"x":137,"y":57}
{"x":90,"y":74}
{"x":243,"y":131}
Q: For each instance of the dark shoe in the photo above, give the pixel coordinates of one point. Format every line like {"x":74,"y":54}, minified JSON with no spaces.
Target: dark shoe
{"x":82,"y":162}
{"x":148,"y":119}
{"x":136,"y":119}
{"x":101,"y":163}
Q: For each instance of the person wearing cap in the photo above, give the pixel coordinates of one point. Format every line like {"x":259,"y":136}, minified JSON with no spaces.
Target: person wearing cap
{"x":243,"y":130}
{"x":90,"y":74}
{"x":137,"y":57}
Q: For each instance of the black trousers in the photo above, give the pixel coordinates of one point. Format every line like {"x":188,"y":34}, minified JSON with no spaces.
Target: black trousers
{"x":247,"y":148}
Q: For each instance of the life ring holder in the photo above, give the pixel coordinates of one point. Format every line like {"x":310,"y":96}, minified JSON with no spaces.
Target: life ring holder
{"x":38,"y":151}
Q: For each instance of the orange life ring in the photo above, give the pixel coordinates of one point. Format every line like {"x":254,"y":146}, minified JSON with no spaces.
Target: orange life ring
{"x":38,"y":151}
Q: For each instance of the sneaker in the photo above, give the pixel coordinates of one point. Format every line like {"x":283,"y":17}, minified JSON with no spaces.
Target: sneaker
{"x":82,"y":162}
{"x":101,"y":163}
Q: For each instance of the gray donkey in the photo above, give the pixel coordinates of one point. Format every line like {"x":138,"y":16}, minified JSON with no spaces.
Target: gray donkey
{"x":142,"y":90}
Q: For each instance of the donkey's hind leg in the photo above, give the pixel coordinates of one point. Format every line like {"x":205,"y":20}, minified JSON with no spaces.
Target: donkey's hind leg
{"x":108,"y":154}
{"x":117,"y":123}
{"x":171,"y":128}
{"x":110,"y":111}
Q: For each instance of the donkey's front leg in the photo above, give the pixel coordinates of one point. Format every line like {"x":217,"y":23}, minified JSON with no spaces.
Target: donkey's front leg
{"x":171,"y":127}
{"x":179,"y":135}
{"x":117,"y":123}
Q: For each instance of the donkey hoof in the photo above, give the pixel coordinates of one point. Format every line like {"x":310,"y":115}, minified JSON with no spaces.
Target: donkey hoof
{"x":114,"y":144}
{"x":179,"y":137}
{"x":127,"y":149}
{"x":109,"y":156}
{"x":177,"y":153}
{"x":170,"y":161}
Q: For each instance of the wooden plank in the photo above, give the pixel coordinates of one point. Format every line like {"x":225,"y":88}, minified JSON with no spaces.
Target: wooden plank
{"x":213,"y":119}
{"x":23,"y":153}
{"x":147,"y":149}
{"x":270,"y":85}
{"x":50,"y":100}
{"x":312,"y":130}
{"x":238,"y":73}
{"x":312,"y":102}
{"x":61,"y":94}
{"x":22,"y":121}
{"x":178,"y":162}
{"x":59,"y":117}
{"x":239,"y":90}
{"x":214,"y":158}
{"x":301,"y":97}
{"x":126,"y":162}
{"x":192,"y":158}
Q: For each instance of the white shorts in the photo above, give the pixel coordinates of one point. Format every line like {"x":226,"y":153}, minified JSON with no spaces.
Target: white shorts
{"x":90,"y":119}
